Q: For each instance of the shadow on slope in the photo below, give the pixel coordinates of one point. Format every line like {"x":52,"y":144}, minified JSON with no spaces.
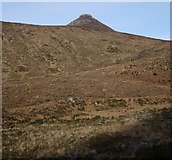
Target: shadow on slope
{"x":150,"y":139}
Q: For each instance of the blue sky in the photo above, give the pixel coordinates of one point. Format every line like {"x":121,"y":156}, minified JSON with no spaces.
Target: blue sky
{"x":147,"y":19}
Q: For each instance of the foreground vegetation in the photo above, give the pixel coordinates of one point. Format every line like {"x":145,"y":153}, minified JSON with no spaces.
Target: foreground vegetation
{"x":141,"y":133}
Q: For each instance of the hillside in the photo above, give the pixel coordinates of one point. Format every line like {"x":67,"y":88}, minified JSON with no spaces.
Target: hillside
{"x":81,"y":79}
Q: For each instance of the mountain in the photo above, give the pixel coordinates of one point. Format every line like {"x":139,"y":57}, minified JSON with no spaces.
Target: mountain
{"x":83,"y":91}
{"x":86,"y":21}
{"x":32,"y":51}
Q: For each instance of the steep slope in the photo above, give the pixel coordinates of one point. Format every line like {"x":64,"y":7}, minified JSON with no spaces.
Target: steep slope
{"x":30,"y":51}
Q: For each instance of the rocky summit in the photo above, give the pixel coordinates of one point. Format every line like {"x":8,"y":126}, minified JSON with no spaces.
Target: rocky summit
{"x":86,"y":21}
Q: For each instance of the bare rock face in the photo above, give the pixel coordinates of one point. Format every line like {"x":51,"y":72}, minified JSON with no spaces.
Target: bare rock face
{"x":86,"y":21}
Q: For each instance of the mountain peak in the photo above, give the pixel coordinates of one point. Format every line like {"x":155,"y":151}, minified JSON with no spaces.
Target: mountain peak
{"x":86,"y":16}
{"x":86,"y":21}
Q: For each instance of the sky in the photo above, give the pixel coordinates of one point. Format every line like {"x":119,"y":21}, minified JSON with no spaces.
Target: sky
{"x":141,"y":18}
